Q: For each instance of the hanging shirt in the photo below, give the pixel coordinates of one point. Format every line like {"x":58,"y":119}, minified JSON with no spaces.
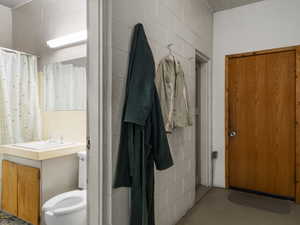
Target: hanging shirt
{"x":143,"y":138}
{"x":173,"y":94}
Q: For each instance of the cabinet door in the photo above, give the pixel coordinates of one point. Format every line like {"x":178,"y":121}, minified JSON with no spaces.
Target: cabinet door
{"x":29,"y":194}
{"x":9,"y":201}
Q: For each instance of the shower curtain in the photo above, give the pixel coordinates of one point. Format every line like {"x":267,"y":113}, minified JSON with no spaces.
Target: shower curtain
{"x":64,"y":87}
{"x":20,"y":116}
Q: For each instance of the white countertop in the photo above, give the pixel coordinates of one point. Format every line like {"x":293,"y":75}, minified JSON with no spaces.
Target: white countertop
{"x":42,"y":154}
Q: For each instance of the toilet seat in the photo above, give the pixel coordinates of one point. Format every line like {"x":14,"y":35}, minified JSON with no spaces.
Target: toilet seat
{"x":66,"y":203}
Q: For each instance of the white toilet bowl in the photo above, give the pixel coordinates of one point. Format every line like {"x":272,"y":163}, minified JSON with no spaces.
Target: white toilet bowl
{"x":66,"y":209}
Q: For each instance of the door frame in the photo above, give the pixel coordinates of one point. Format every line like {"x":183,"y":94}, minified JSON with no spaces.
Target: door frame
{"x":269,"y":51}
{"x":205,"y":112}
{"x":99,"y":112}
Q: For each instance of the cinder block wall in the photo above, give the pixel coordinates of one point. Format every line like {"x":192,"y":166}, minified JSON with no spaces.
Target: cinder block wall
{"x":188,"y":25}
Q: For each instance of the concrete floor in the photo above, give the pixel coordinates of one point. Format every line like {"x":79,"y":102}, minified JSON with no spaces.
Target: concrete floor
{"x":216,"y":209}
{"x":201,"y":191}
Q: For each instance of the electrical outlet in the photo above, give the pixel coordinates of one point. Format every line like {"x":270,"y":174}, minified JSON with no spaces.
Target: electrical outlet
{"x":214,"y":155}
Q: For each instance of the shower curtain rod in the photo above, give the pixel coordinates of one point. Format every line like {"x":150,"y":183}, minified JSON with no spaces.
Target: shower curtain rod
{"x":14,"y":51}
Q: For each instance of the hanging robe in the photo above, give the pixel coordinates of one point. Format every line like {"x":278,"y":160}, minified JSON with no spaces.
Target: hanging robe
{"x":143,"y":140}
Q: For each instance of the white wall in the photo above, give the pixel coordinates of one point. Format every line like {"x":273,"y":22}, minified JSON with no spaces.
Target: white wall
{"x":71,"y":125}
{"x":188,"y":25}
{"x":5,"y":27}
{"x":263,"y":25}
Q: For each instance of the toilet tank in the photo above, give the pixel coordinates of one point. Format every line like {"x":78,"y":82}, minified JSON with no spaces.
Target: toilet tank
{"x":82,"y":179}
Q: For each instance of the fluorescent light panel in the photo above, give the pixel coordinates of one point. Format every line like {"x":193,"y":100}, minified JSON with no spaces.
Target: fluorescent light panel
{"x":69,"y":39}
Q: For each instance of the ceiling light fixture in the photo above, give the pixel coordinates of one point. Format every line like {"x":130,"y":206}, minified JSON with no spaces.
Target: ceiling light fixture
{"x":69,"y":39}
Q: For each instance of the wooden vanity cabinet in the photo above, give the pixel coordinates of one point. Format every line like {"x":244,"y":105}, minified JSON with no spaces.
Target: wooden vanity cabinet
{"x":9,"y":188}
{"x":21,"y":191}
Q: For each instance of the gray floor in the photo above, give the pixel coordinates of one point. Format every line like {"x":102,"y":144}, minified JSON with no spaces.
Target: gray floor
{"x":201,"y":191}
{"x":216,"y":209}
{"x":6,"y":219}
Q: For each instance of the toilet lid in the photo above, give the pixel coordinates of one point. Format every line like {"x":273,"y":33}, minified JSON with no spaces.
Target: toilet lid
{"x":66,"y":203}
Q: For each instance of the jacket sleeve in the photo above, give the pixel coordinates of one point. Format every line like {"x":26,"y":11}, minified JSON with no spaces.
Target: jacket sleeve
{"x":161,"y":149}
{"x":187,"y":101}
{"x":158,"y":79}
{"x":160,"y":84}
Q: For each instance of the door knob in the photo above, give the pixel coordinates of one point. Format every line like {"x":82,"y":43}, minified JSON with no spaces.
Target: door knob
{"x":232,"y":133}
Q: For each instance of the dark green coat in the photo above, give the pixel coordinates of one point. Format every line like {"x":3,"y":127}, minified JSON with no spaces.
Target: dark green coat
{"x":143,"y":138}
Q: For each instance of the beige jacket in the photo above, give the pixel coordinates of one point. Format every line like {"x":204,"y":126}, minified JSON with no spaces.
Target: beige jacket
{"x":173,"y":94}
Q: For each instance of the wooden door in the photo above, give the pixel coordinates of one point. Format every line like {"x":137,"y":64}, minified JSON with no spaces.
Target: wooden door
{"x":29,"y":194}
{"x":261,"y":102}
{"x":9,"y":202}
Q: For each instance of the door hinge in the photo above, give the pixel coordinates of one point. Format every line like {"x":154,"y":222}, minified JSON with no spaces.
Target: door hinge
{"x":88,"y":142}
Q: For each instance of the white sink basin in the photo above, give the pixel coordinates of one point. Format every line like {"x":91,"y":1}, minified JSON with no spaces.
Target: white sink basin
{"x":44,"y":145}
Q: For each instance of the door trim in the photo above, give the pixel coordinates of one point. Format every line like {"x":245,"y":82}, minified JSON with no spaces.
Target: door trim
{"x":99,"y":112}
{"x":263,"y":52}
{"x":205,"y":118}
{"x":268,"y":51}
{"x":297,"y":48}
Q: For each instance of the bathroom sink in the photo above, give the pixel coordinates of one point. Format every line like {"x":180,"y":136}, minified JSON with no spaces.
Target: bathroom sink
{"x":44,"y":145}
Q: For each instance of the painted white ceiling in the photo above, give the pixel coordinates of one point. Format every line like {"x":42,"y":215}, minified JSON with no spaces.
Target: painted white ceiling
{"x":13,"y":3}
{"x":219,"y":5}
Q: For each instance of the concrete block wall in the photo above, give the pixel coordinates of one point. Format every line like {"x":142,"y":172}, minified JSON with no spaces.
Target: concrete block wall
{"x":188,"y":25}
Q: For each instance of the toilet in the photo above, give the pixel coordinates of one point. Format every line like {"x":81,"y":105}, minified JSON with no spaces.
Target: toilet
{"x":69,"y":208}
